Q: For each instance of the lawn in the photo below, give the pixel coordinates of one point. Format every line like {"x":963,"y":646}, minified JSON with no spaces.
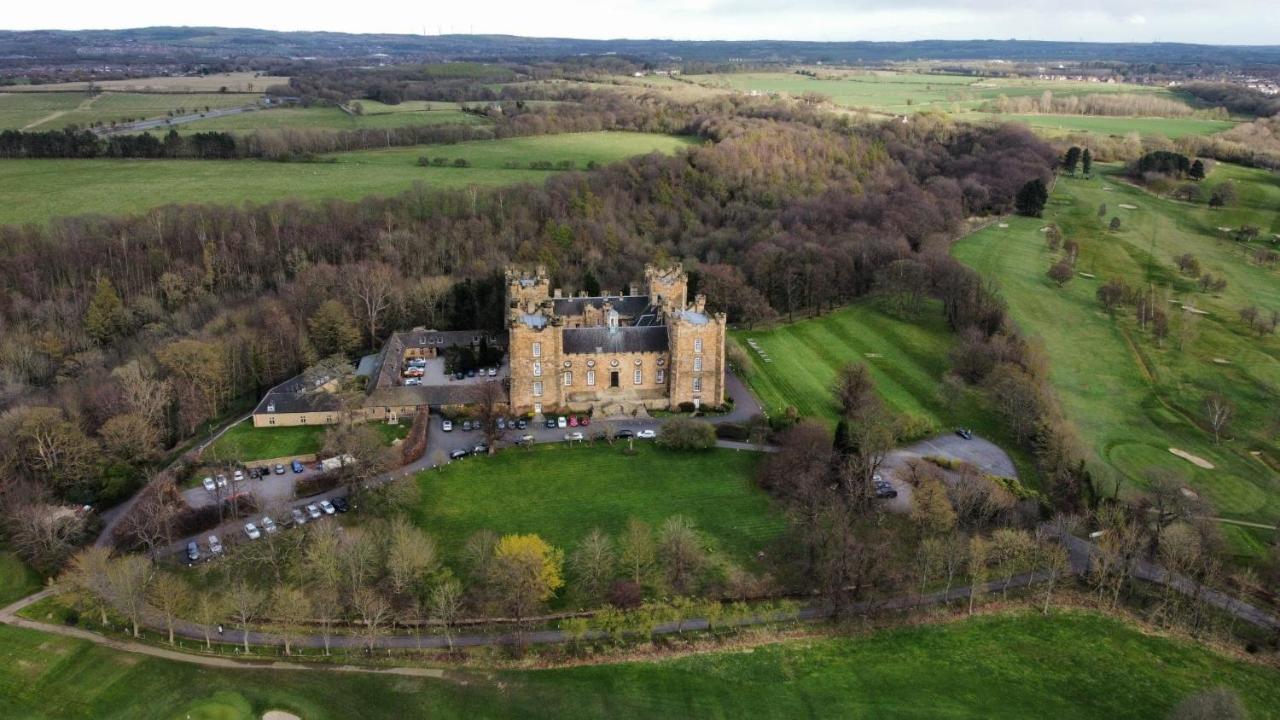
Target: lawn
{"x":1071,"y":665}
{"x":375,"y":115}
{"x":16,"y":579}
{"x":244,"y":442}
{"x":38,"y":190}
{"x":906,"y":356}
{"x":1131,"y":398}
{"x":562,"y":493}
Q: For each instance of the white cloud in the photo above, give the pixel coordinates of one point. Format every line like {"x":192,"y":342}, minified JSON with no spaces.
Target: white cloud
{"x":1136,"y":19}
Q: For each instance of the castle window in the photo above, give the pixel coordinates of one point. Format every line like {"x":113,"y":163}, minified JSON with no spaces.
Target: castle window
{"x":697,"y":384}
{"x":639,"y":376}
{"x":697,"y":344}
{"x":537,"y":389}
{"x":271,"y":420}
{"x":537,"y":349}
{"x":591,"y":378}
{"x":568,"y":379}
{"x":697,"y":363}
{"x":537,"y":369}
{"x":662,"y":376}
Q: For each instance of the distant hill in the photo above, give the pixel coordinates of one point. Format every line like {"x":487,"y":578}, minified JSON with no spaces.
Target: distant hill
{"x":205,"y":44}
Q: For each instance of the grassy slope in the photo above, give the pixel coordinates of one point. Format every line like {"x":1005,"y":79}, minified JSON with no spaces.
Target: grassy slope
{"x":37,"y":190}
{"x":245,"y":442}
{"x":334,"y":118}
{"x":120,"y":107}
{"x":1072,"y":665}
{"x":16,"y":579}
{"x":561,"y":494}
{"x":908,"y":359}
{"x":1129,"y":411}
{"x":1060,"y":124}
{"x":17,"y":110}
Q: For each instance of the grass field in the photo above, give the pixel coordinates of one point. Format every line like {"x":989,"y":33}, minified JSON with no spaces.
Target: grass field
{"x":1071,"y":665}
{"x":54,"y":111}
{"x":243,"y":441}
{"x":334,"y":118}
{"x":1171,"y":128}
{"x":1130,"y":398}
{"x":907,"y":358}
{"x":18,"y":110}
{"x":239,"y":82}
{"x":38,"y":190}
{"x":562,"y":493}
{"x":16,"y":579}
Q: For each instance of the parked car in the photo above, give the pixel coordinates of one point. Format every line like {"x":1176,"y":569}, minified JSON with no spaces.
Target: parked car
{"x":252,"y":531}
{"x":255,"y":474}
{"x":466,"y":426}
{"x":526,"y":438}
{"x":502,"y":423}
{"x":584,"y":421}
{"x":965,"y":433}
{"x":299,"y":517}
{"x":193,"y":551}
{"x":573,"y":421}
{"x":571,"y":436}
{"x":562,"y":422}
{"x":215,"y":545}
{"x":327,"y":507}
{"x":209,"y":484}
{"x":646,"y":434}
{"x":459,"y":454}
{"x":411,"y":382}
{"x":551,"y":423}
{"x":313,"y":511}
{"x":340,"y":504}
{"x":480,"y":449}
{"x":238,"y":476}
{"x":471,"y":372}
{"x":459,"y":375}
{"x":279,"y":469}
{"x":268,"y":525}
{"x":624,"y":434}
{"x":297,"y":467}
{"x":446,"y":425}
{"x":222,"y":481}
{"x":886,"y":492}
{"x":493,"y":372}
{"x":522,"y":424}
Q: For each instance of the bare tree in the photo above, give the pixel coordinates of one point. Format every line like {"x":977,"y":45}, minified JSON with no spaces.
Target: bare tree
{"x":371,"y":285}
{"x":491,"y":403}
{"x":209,"y":609}
{"x":411,"y":556}
{"x":446,"y":606}
{"x":129,"y":577}
{"x":593,"y":564}
{"x":87,"y":575}
{"x":1218,"y":412}
{"x":374,"y":612}
{"x":170,"y":595}
{"x":290,"y":608}
{"x":246,"y":602}
{"x":637,"y":551}
{"x":326,"y":609}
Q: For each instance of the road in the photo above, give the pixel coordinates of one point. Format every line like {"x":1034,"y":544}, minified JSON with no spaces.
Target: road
{"x":166,"y":122}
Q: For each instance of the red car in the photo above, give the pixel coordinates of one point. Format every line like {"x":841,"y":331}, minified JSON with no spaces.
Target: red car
{"x":585,"y":421}
{"x":573,"y":421}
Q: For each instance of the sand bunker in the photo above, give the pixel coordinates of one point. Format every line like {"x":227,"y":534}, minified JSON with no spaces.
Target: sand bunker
{"x":1086,"y":275}
{"x":873,"y":355}
{"x":1044,"y":229}
{"x":1003,"y":225}
{"x":1222,"y":361}
{"x":1128,"y":207}
{"x":1193,"y":459}
{"x":1197,"y":311}
{"x":1224,"y":229}
{"x":279,"y":715}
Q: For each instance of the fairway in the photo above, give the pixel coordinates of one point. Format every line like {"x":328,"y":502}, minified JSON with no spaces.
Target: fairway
{"x":38,"y":190}
{"x":907,"y":358}
{"x":16,"y":579}
{"x":562,"y":493}
{"x":1131,"y":398}
{"x":1016,"y":666}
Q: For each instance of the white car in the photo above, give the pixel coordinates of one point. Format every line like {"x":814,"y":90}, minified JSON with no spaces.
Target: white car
{"x":562,"y":422}
{"x":209,"y":484}
{"x":222,"y":481}
{"x":238,"y":476}
{"x":299,"y":517}
{"x":269,"y":525}
{"x":493,"y":372}
{"x":313,"y":511}
{"x":446,"y":425}
{"x":573,"y":436}
{"x":526,"y":438}
{"x":646,"y":434}
{"x":327,"y":507}
{"x":215,"y":545}
{"x":252,"y":531}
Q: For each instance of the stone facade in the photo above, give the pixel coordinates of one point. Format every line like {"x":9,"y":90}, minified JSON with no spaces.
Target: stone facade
{"x":612,"y":353}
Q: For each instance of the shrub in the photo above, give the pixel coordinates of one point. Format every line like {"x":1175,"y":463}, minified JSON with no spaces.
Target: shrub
{"x":687,"y":434}
{"x":733,"y":431}
{"x":687,"y":407}
{"x":415,"y":444}
{"x":914,"y":427}
{"x":314,"y":484}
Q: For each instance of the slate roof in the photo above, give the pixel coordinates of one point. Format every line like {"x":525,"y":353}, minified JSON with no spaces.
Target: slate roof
{"x":627,"y":339}
{"x":294,"y":396}
{"x":629,"y":305}
{"x":418,"y":395}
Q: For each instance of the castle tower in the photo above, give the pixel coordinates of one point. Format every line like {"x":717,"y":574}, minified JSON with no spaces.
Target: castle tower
{"x":668,"y":287}
{"x":697,"y":345}
{"x":526,"y":291}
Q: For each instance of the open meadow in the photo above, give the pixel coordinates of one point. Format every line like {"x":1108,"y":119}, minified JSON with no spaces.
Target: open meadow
{"x":1052,"y":125}
{"x":1016,"y":665}
{"x":39,"y":190}
{"x":236,"y":82}
{"x":1132,"y":397}
{"x":375,"y":115}
{"x":563,"y":493}
{"x":55,"y":111}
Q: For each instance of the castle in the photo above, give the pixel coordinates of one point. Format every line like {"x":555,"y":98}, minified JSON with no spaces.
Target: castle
{"x":612,"y":353}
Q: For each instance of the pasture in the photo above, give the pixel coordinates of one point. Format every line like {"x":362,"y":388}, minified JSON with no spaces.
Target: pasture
{"x":237,"y":82}
{"x":1172,"y":128}
{"x":1131,"y":397}
{"x":906,"y":356}
{"x":1015,"y":665}
{"x":375,"y":116}
{"x":55,"y":111}
{"x":27,"y":110}
{"x":561,"y":493}
{"x":39,"y":190}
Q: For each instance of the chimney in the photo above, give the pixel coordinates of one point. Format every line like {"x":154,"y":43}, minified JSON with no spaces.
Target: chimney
{"x":557,"y":295}
{"x":699,"y":303}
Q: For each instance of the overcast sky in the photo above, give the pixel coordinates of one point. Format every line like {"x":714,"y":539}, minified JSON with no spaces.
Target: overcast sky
{"x":1235,"y":22}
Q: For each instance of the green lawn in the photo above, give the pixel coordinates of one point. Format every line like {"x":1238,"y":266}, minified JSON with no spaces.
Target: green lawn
{"x":18,"y":110}
{"x":562,"y":493}
{"x":1131,"y":398}
{"x":1071,"y":665}
{"x":16,"y":579}
{"x":907,"y":358}
{"x":376,"y":115}
{"x":38,"y":190}
{"x":244,"y":442}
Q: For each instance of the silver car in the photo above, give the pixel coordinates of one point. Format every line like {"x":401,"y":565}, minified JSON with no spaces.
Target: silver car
{"x":313,"y":511}
{"x":299,"y":517}
{"x":252,"y":531}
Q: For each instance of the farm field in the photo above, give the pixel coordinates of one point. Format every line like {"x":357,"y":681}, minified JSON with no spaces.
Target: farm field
{"x":238,"y":82}
{"x":1017,"y":665}
{"x":16,"y":579}
{"x":375,"y":115}
{"x":108,"y":108}
{"x":18,"y":110}
{"x":243,"y":441}
{"x":562,"y":493}
{"x":1133,"y":399}
{"x":1171,"y":128}
{"x":907,"y":358}
{"x":39,"y":190}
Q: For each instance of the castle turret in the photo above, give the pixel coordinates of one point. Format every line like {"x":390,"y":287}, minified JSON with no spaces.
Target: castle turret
{"x":668,"y":287}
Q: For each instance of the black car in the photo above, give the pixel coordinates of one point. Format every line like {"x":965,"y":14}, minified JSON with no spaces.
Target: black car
{"x":965,"y":433}
{"x":624,"y":434}
{"x":522,"y":424}
{"x":254,"y":473}
{"x":459,"y":454}
{"x":886,"y":492}
{"x":340,"y":504}
{"x":480,"y":449}
{"x":471,"y":372}
{"x":551,"y":424}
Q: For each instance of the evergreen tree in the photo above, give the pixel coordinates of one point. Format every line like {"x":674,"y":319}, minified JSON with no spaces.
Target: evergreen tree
{"x":333,"y":330}
{"x":1032,"y":198}
{"x":1071,"y":160}
{"x":1086,"y":162}
{"x":1197,"y":170}
{"x":105,"y":315}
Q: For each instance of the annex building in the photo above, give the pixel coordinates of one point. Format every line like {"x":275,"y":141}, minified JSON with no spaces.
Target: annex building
{"x":615,"y":354}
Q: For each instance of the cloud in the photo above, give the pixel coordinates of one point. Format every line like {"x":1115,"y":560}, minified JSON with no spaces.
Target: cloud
{"x":1136,"y":19}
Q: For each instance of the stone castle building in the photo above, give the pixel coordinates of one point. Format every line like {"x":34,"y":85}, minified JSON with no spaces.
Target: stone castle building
{"x":612,"y":353}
